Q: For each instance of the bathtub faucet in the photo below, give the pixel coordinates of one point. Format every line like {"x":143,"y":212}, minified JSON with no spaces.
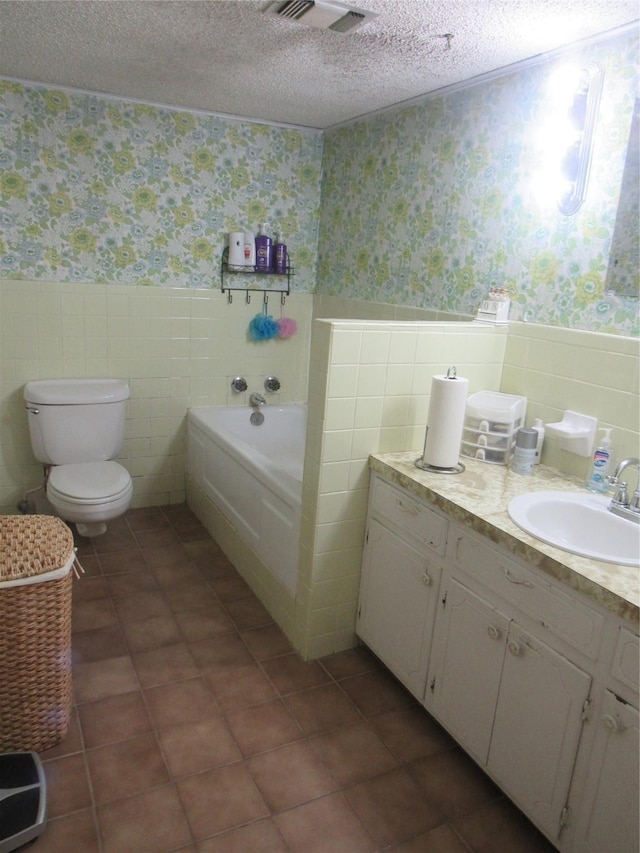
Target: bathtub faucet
{"x":257,"y":400}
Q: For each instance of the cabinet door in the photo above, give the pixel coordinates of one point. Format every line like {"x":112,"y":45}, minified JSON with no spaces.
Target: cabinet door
{"x":396,"y":610}
{"x":465,"y":678}
{"x":538,"y":721}
{"x":611,"y":801}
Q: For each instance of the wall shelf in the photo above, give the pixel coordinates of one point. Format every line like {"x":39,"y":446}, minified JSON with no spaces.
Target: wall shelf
{"x":252,"y":280}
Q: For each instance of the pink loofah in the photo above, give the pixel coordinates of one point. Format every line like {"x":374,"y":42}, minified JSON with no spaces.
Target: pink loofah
{"x":287,"y":327}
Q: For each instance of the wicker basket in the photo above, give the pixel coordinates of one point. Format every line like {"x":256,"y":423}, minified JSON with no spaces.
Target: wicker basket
{"x":36,"y":557}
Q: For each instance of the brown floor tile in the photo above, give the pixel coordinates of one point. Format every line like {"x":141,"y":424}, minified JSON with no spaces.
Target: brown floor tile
{"x":231,"y":588}
{"x":195,"y":747}
{"x":127,"y":767}
{"x":117,"y":538}
{"x":290,"y":775}
{"x":89,"y":588}
{"x":267,"y":642}
{"x":353,"y":754}
{"x":71,"y":742}
{"x":146,"y":518}
{"x":89,"y":646}
{"x":90,"y":565}
{"x":189,"y":596}
{"x":375,"y":692}
{"x":153,"y":633}
{"x":125,"y":561}
{"x":76,"y":831}
{"x":216,"y":654}
{"x":327,"y":825}
{"x":153,"y":821}
{"x":203,"y":624}
{"x":67,"y":785}
{"x":263,"y":727}
{"x":290,"y":673}
{"x":143,"y":605}
{"x":392,"y":807}
{"x":160,"y":666}
{"x":349,"y":663}
{"x":113,"y":719}
{"x":99,"y":679}
{"x":442,"y":839}
{"x":321,"y":708}
{"x":259,"y":837}
{"x":411,"y":732}
{"x":454,"y":783}
{"x":130,"y":583}
{"x":221,"y":799}
{"x":182,"y":702}
{"x":93,"y":614}
{"x":177,"y":574}
{"x":240,"y":687}
{"x":162,"y":538}
{"x":498,"y":827}
{"x":169,"y":555}
{"x":248,"y":613}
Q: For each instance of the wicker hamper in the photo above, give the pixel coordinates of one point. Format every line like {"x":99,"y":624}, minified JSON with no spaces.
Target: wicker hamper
{"x":36,"y":558}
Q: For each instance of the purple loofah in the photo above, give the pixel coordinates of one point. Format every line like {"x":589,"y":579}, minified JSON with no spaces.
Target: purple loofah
{"x":287,"y":327}
{"x":263,"y":327}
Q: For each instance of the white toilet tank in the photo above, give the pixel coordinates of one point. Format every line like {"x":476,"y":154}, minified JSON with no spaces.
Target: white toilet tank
{"x":76,"y":420}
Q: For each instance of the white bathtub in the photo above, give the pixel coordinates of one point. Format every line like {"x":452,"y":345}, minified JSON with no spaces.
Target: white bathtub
{"x":253,"y":474}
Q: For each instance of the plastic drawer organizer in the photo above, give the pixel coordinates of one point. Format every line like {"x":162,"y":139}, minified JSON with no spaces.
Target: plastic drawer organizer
{"x":36,"y":559}
{"x":490,"y":425}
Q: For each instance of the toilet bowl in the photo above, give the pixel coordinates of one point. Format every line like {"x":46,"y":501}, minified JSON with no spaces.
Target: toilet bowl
{"x":76,"y":427}
{"x":89,"y":494}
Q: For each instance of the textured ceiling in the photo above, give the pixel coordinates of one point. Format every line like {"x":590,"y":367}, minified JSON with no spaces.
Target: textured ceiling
{"x":226,"y":56}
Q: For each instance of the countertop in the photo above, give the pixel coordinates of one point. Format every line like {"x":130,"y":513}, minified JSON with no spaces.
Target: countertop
{"x":479,"y":497}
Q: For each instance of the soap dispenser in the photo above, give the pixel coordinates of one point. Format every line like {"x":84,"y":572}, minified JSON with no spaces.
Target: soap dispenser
{"x":279,"y":255}
{"x":598,"y":481}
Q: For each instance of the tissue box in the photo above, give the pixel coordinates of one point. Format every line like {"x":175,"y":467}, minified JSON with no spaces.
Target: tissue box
{"x":490,"y":425}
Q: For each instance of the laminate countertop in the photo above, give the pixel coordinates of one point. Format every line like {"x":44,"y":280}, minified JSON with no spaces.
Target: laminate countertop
{"x":479,"y":497}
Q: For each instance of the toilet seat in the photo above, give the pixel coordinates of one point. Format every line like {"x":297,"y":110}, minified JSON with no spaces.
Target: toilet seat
{"x":89,"y":483}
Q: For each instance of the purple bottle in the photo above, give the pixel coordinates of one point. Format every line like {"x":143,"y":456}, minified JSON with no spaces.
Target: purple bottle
{"x":280,"y":256}
{"x":264,"y":251}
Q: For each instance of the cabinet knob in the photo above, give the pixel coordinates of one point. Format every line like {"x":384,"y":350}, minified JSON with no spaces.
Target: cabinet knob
{"x":494,"y":632}
{"x":426,"y":579}
{"x":514,"y":648}
{"x":611,"y":724}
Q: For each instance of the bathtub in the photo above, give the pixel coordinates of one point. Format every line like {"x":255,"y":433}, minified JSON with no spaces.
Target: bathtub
{"x":253,"y":474}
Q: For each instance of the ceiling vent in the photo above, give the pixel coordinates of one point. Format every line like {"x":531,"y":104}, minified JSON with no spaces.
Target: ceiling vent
{"x":322,"y":14}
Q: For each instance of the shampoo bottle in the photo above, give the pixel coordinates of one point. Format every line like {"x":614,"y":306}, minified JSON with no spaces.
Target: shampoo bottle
{"x":279,"y":256}
{"x":264,"y":251}
{"x":600,"y":464}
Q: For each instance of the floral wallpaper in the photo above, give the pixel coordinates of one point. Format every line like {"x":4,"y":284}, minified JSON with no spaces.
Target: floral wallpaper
{"x":96,"y":189}
{"x":433,"y":204}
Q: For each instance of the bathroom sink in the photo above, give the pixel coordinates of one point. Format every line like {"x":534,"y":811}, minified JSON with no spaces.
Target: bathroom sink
{"x":579,"y":523}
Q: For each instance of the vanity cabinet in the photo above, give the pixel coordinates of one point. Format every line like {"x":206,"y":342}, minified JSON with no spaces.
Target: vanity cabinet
{"x":404,"y":544}
{"x":536,"y":682}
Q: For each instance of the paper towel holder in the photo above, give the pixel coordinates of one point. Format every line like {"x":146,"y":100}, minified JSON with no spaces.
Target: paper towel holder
{"x":458,"y":468}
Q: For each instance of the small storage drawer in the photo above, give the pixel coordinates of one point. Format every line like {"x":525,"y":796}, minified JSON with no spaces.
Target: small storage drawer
{"x":410,"y":515}
{"x":626,"y":659}
{"x":544,"y":601}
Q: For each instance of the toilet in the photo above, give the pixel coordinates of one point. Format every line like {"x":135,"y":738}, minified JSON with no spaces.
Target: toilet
{"x":76,"y":428}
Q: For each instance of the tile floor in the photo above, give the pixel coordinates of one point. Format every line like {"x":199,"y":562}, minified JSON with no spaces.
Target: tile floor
{"x":197,"y":728}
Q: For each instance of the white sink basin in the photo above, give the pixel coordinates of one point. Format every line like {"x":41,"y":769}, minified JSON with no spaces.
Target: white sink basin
{"x":579,"y":523}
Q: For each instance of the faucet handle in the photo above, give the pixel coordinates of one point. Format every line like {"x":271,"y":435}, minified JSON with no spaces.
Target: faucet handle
{"x":634,"y":506}
{"x":621,"y":497}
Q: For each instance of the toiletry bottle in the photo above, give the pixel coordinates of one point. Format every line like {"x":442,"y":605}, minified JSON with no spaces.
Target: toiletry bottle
{"x":279,"y":256}
{"x":264,"y":251}
{"x":524,"y":453}
{"x":249,"y":249}
{"x":539,"y":428}
{"x":600,"y":464}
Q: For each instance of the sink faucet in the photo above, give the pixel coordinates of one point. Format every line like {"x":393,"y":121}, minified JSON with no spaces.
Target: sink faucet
{"x":620,"y":503}
{"x":257,"y":400}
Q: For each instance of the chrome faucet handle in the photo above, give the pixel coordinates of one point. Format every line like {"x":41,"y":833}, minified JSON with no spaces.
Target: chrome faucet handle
{"x":634,"y":506}
{"x":621,"y":497}
{"x":239,"y":384}
{"x":272,"y":383}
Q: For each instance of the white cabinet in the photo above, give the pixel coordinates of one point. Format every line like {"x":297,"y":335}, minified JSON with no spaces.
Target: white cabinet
{"x":538,"y":683}
{"x":510,"y":700}
{"x":400,"y":580}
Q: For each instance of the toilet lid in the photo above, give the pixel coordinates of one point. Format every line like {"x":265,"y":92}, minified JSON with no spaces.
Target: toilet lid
{"x":89,"y":482}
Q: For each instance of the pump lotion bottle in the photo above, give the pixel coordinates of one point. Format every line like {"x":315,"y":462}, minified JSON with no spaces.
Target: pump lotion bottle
{"x":264,"y":251}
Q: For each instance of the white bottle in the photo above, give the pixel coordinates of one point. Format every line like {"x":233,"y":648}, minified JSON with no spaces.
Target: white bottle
{"x":600,"y":465}
{"x":539,"y":428}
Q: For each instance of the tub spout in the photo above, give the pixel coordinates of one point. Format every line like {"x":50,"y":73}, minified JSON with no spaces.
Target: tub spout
{"x":257,"y":400}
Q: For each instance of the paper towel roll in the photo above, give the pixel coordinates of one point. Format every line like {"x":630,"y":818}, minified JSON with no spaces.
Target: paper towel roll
{"x":445,"y":421}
